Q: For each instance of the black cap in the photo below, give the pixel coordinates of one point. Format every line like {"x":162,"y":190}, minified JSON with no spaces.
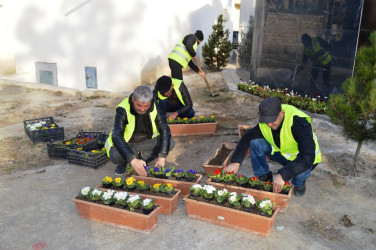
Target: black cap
{"x":163,"y":84}
{"x":199,"y":35}
{"x":269,"y":109}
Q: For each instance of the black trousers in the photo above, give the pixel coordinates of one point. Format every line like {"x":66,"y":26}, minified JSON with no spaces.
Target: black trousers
{"x":176,"y":69}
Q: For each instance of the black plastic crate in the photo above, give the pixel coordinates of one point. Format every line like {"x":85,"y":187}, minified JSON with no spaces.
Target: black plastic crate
{"x":58,"y":150}
{"x":44,"y":135}
{"x":85,"y":157}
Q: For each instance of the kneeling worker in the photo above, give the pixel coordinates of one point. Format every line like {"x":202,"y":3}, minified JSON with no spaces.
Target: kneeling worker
{"x":173,"y":97}
{"x":285,"y":134}
{"x":140,"y":133}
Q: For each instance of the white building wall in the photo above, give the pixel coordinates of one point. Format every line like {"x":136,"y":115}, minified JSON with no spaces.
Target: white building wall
{"x":127,"y":41}
{"x":247,"y":9}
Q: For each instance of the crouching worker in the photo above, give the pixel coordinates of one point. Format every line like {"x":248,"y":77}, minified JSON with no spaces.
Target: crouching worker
{"x":140,"y":134}
{"x":173,"y":96}
{"x":285,"y":134}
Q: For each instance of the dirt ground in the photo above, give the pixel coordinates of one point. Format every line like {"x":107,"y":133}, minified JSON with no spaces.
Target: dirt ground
{"x":337,"y":211}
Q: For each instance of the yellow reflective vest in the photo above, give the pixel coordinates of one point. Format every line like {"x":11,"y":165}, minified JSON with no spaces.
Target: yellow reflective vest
{"x":288,"y":145}
{"x":177,"y":83}
{"x":129,"y":128}
{"x":318,"y":55}
{"x":180,"y":53}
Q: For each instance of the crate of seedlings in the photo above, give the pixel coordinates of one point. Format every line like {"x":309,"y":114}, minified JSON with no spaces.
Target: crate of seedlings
{"x":92,"y":154}
{"x":58,"y":150}
{"x":43,"y":130}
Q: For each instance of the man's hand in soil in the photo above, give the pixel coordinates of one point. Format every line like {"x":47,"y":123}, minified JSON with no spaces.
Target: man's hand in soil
{"x":173,"y":115}
{"x":233,"y":167}
{"x":160,"y":162}
{"x":138,"y":166}
{"x":278,"y":184}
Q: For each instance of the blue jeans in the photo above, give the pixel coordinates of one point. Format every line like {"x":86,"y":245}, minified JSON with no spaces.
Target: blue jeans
{"x":260,"y":148}
{"x":165,"y":106}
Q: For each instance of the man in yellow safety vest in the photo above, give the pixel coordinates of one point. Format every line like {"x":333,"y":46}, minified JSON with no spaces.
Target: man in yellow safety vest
{"x":285,"y":134}
{"x":140,"y":133}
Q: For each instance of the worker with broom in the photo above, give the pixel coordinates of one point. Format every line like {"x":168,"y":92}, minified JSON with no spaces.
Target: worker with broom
{"x":173,"y":97}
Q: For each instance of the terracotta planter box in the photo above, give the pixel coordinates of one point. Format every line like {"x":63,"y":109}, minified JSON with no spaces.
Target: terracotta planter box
{"x":216,"y":160}
{"x":281,"y":200}
{"x":118,"y":217}
{"x":183,"y":186}
{"x":242,"y":129}
{"x":168,"y":205}
{"x":232,"y":218}
{"x":193,"y":129}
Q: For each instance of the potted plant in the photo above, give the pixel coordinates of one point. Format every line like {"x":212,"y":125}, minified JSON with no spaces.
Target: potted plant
{"x":134,"y":202}
{"x":242,"y":180}
{"x":118,"y":183}
{"x":178,"y":174}
{"x":190,"y":175}
{"x":167,"y":189}
{"x":268,"y":186}
{"x":255,"y":183}
{"x":234,"y":199}
{"x":156,"y":187}
{"x":221,"y":195}
{"x":248,"y":203}
{"x":147,"y":205}
{"x":228,"y":178}
{"x":142,"y":186}
{"x":130,"y":184}
{"x":215,"y":176}
{"x":169,"y":172}
{"x":107,"y":197}
{"x":120,"y":199}
{"x":192,"y":126}
{"x":107,"y":182}
{"x":208,"y":192}
{"x":286,"y":188}
{"x":266,"y":206}
{"x":195,"y":190}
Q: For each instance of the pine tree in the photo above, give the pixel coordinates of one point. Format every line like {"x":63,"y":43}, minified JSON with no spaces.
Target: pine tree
{"x":217,"y":53}
{"x":355,"y":109}
{"x":245,"y":47}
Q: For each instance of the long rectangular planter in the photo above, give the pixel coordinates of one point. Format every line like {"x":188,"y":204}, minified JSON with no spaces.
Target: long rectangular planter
{"x":193,"y":129}
{"x":281,"y":200}
{"x":183,"y":186}
{"x":231,"y":218}
{"x":209,"y":167}
{"x":168,"y":204}
{"x":118,"y":217}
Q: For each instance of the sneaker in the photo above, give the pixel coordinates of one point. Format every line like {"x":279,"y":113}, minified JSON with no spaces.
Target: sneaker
{"x":120,"y":170}
{"x":267,"y":177}
{"x":300,"y":191}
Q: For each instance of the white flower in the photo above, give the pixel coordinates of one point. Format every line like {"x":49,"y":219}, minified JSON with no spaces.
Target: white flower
{"x":146,"y":201}
{"x":121,"y":196}
{"x":233,"y":194}
{"x":209,"y":189}
{"x":196,"y":186}
{"x":107,"y":195}
{"x":133,"y":198}
{"x":265,"y":202}
{"x":222,"y":192}
{"x":313,"y":99}
{"x":232,"y":198}
{"x":85,"y":191}
{"x":96,"y":192}
{"x":250,"y":199}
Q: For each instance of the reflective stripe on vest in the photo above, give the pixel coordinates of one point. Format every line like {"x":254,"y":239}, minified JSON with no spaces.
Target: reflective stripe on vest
{"x":181,"y":55}
{"x":288,"y":145}
{"x":318,"y":55}
{"x":177,"y":83}
{"x":129,"y":128}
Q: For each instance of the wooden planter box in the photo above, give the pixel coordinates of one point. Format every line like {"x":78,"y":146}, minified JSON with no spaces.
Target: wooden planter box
{"x":183,"y":186}
{"x":193,"y":129}
{"x":232,"y":218}
{"x":209,"y":166}
{"x":242,"y":129}
{"x":281,"y":200}
{"x":117,"y":217}
{"x":168,"y":205}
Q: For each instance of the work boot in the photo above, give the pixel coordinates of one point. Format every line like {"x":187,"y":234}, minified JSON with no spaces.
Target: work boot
{"x":300,"y":191}
{"x":120,"y":170}
{"x":267,"y":177}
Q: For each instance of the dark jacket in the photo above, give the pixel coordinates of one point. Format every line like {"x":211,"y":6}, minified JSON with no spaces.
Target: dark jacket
{"x":185,"y":95}
{"x":189,"y":41}
{"x":302,"y":133}
{"x":120,"y":122}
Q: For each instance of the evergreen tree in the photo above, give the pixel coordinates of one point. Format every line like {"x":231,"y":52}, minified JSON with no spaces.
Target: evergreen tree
{"x":245,"y":47}
{"x":355,"y":109}
{"x":216,"y":54}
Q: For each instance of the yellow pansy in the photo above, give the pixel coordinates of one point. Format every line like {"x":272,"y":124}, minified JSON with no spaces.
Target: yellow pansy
{"x":169,"y":185}
{"x":52,"y":125}
{"x":78,"y":149}
{"x":212,"y":116}
{"x":157,"y":185}
{"x":68,"y":142}
{"x":185,"y":118}
{"x":202,"y":117}
{"x":141,"y":182}
{"x":130,"y":181}
{"x":118,"y":180}
{"x":107,"y":179}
